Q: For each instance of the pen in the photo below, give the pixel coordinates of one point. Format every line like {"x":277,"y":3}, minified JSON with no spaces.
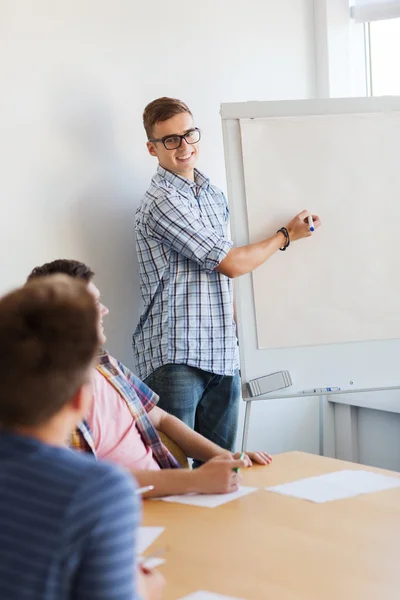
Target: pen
{"x":241,"y":457}
{"x":321,"y":390}
{"x":143,"y":490}
{"x":310,"y":222}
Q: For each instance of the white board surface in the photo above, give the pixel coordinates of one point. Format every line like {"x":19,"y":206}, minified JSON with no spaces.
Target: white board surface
{"x":371,"y":361}
{"x":339,"y":286}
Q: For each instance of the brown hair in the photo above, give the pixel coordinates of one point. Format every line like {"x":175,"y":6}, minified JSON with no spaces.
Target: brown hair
{"x":73,"y":268}
{"x":48,"y":342}
{"x":162,"y":109}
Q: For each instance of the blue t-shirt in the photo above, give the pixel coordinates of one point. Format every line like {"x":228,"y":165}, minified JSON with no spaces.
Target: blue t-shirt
{"x":67,"y":525}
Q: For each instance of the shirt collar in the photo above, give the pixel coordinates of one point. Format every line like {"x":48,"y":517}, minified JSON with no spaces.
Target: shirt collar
{"x":182,"y":184}
{"x":103,"y":357}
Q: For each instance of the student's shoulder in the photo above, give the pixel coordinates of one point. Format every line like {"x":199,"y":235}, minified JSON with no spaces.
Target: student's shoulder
{"x":97,"y":491}
{"x":77,"y":468}
{"x":104,"y":475}
{"x":114,"y":367}
{"x":140,"y":389}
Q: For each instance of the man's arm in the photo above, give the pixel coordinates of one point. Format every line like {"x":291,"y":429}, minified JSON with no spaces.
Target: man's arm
{"x":197,"y":446}
{"x":245,"y":259}
{"x":193,"y":444}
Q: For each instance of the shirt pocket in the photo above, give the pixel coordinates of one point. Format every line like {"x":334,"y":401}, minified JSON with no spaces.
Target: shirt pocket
{"x":215,"y":213}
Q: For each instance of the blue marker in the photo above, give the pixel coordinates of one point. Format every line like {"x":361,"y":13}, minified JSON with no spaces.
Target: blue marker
{"x":311,"y":223}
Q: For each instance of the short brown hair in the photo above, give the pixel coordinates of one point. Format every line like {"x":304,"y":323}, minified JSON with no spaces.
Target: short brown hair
{"x":73,"y":268}
{"x":48,"y":342}
{"x":162,"y":109}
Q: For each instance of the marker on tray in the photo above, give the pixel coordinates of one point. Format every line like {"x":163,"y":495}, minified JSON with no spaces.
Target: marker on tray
{"x":321,"y":390}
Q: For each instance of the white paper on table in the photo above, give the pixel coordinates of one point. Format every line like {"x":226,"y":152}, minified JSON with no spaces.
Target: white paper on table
{"x":146,"y":536}
{"x":208,"y":596}
{"x":210,"y":500}
{"x":336,"y":486}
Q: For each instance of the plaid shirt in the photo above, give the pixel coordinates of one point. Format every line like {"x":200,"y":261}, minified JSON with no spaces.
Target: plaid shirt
{"x":139,"y":399}
{"x":181,"y":237}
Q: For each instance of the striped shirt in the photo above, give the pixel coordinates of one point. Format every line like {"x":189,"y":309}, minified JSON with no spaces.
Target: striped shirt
{"x":67,"y":525}
{"x":139,"y":399}
{"x":181,"y":237}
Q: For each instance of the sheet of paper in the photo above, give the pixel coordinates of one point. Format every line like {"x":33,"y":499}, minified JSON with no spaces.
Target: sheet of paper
{"x":208,"y":596}
{"x":146,"y":536}
{"x":210,"y":500}
{"x":336,"y":486}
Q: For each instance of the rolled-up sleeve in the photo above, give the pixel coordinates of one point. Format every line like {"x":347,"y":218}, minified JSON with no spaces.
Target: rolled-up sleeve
{"x":172,"y":222}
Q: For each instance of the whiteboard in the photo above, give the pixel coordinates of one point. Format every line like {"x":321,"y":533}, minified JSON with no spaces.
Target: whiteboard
{"x":327,"y":310}
{"x":339,"y":286}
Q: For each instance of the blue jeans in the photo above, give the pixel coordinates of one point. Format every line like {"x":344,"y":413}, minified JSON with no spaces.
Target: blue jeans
{"x":206,"y":402}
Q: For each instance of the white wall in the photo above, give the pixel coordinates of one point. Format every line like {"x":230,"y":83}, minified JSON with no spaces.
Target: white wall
{"x":76,"y":75}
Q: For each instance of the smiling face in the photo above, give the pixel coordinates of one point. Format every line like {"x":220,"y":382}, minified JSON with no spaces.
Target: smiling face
{"x":182,"y":160}
{"x":102,"y":311}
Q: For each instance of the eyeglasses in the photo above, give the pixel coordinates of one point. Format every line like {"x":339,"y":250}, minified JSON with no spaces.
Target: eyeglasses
{"x":172,"y":142}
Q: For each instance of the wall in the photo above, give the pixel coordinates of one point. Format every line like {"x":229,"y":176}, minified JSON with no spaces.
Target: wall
{"x":379,"y":439}
{"x":76,"y":76}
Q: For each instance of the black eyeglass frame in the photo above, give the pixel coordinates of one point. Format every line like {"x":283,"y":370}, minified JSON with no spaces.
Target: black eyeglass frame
{"x":182,"y":137}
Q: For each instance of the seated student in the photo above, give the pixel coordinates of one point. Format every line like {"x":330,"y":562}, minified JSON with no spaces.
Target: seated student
{"x":67,"y":522}
{"x":122,"y":423}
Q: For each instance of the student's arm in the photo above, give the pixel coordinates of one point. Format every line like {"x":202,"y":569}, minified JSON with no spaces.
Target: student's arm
{"x":217,"y":476}
{"x":193,"y":444}
{"x":245,"y":259}
{"x":103,"y":522}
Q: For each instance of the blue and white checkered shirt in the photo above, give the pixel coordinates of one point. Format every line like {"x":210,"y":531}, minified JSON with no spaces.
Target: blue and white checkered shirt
{"x":181,"y":236}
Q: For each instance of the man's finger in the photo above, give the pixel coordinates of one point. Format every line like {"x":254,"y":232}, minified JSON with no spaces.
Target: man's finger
{"x":266,"y":456}
{"x":260,"y":458}
{"x":303,"y":215}
{"x":317,"y":221}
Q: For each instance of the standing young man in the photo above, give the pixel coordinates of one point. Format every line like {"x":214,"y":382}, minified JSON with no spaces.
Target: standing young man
{"x":185,"y":344}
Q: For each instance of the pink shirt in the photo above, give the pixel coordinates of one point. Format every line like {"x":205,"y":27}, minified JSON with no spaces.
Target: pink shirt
{"x":115,"y":435}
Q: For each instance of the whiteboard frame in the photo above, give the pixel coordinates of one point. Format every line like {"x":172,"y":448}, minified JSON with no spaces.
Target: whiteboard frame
{"x":231,"y":113}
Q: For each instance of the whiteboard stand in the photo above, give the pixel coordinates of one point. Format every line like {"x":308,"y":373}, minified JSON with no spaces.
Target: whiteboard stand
{"x":338,"y":418}
{"x":323,"y":400}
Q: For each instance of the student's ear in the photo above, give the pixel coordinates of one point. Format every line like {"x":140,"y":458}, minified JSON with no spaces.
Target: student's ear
{"x":151,"y":148}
